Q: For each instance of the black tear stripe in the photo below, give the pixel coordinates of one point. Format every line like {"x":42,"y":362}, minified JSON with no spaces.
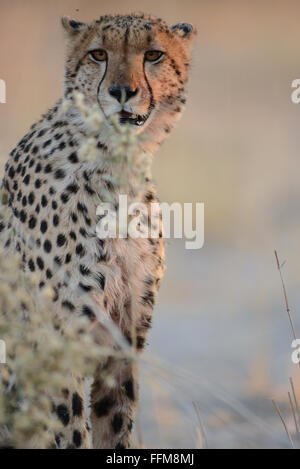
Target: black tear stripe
{"x":152,"y":102}
{"x":99,"y":86}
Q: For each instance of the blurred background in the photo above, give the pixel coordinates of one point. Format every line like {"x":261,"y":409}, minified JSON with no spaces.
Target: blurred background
{"x":221,"y":336}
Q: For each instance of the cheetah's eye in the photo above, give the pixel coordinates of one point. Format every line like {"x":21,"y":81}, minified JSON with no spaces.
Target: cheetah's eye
{"x":153,"y":55}
{"x":98,"y":55}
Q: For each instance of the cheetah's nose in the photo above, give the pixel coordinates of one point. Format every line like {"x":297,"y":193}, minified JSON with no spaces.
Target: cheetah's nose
{"x":122,"y":92}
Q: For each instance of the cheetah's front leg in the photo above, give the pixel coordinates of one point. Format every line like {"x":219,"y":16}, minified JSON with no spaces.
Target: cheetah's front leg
{"x":70,"y":409}
{"x":113,"y":404}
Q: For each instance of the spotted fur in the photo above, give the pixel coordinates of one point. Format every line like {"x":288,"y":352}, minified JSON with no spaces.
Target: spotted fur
{"x":51,"y":196}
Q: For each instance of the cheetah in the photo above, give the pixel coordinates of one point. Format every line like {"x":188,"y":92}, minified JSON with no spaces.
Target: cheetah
{"x":134,"y":67}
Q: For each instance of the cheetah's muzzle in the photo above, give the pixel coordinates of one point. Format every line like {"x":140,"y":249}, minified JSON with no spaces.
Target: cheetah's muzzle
{"x":133,"y":119}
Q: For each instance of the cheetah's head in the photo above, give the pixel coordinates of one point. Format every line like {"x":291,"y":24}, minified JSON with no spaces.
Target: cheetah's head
{"x":133,"y":66}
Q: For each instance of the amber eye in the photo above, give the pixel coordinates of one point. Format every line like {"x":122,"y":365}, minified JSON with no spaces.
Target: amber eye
{"x":153,"y":55}
{"x":98,"y":55}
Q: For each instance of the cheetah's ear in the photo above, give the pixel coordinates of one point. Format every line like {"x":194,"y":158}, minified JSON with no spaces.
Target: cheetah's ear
{"x":71,"y":27}
{"x":184,"y":30}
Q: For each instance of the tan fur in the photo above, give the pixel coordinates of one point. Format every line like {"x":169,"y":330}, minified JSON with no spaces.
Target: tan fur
{"x":55,"y":213}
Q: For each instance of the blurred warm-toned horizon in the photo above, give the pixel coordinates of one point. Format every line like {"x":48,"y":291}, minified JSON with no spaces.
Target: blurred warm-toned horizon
{"x":220,"y":313}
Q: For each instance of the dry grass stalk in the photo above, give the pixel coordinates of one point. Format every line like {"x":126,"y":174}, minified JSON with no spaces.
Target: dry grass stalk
{"x":295,"y":398}
{"x":283,"y":423}
{"x":288,"y":310}
{"x":200,"y":430}
{"x":294,"y":415}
